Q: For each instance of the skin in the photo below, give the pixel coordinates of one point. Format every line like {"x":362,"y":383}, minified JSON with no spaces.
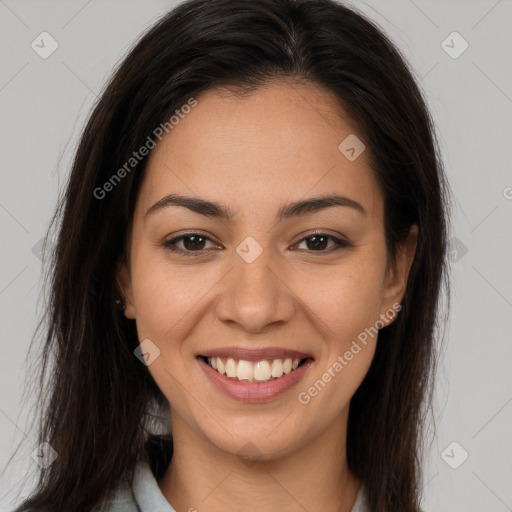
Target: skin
{"x":254,"y":154}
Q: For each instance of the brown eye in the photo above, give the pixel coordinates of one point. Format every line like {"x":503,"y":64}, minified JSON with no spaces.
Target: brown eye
{"x":193,"y":243}
{"x":318,"y":242}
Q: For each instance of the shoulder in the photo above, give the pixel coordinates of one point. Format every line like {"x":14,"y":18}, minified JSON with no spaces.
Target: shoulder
{"x":141,"y":495}
{"x":121,"y":500}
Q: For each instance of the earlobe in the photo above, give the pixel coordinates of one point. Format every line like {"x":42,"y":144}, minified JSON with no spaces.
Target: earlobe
{"x":125,"y":290}
{"x":397,"y":275}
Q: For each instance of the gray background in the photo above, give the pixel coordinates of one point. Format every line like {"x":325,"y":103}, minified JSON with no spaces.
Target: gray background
{"x":44,"y":103}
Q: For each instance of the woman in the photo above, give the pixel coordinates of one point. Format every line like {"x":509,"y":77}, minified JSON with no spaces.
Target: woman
{"x":252,"y":247}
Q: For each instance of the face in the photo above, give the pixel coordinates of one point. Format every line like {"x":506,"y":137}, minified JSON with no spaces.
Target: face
{"x":269,"y":282}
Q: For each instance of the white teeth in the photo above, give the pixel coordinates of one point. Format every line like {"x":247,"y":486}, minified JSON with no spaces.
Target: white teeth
{"x":277,"y":368}
{"x":231,"y":368}
{"x":244,"y":370}
{"x":261,"y":371}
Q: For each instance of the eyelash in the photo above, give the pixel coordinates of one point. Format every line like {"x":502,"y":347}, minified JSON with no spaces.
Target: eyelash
{"x":340,"y":244}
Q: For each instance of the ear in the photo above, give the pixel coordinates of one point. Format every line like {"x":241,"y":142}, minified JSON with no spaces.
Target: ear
{"x":124,"y":284}
{"x":395,"y":281}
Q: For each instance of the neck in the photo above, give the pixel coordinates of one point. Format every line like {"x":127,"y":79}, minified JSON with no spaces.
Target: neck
{"x":314,"y":476}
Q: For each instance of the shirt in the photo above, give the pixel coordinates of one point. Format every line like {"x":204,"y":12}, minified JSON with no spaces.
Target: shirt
{"x":145,"y":495}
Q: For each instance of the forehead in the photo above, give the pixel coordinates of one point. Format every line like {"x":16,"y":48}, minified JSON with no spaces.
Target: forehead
{"x":279,"y":143}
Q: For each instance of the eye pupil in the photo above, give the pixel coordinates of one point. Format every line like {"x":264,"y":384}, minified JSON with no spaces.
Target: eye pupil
{"x":194,"y":245}
{"x":321,"y":244}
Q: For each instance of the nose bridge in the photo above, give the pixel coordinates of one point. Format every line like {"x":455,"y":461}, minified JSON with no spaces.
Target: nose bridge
{"x":254,"y":295}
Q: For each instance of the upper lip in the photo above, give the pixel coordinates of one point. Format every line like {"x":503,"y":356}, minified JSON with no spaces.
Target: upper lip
{"x":255,"y":354}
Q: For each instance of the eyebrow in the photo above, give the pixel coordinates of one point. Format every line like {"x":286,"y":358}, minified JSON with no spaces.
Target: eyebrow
{"x":216,"y":210}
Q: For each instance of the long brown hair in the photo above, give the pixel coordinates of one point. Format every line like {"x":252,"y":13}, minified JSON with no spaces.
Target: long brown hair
{"x":95,"y":398}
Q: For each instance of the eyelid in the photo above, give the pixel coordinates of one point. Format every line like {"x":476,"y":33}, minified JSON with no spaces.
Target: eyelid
{"x":327,"y":232}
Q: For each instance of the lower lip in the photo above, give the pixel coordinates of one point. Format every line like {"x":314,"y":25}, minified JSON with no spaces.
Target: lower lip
{"x":254,"y":391}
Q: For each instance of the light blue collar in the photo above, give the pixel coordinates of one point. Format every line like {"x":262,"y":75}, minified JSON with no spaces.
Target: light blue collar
{"x":149,"y":497}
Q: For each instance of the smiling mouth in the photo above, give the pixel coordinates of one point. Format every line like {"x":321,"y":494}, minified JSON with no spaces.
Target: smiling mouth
{"x":265,"y":370}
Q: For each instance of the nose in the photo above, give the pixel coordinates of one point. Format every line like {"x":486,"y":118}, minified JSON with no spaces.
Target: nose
{"x":256,"y":295}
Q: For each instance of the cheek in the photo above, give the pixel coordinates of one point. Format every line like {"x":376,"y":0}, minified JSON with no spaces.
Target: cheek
{"x":166,"y":293}
{"x":353,"y":306}
{"x":346,"y":298}
{"x":347,"y":314}
{"x":163,"y":293}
